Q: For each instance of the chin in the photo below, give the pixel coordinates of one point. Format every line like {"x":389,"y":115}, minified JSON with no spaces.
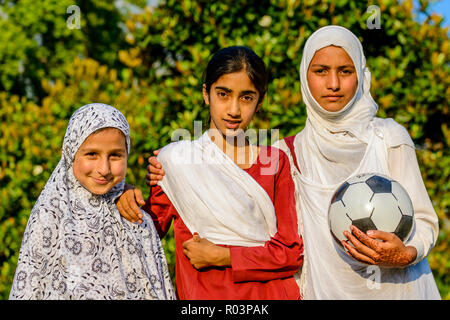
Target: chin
{"x":333,"y":107}
{"x":227,"y":133}
{"x":99,"y":190}
{"x":233,"y":133}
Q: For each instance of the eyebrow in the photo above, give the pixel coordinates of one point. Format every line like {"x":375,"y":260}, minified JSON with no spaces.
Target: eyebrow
{"x":87,"y":149}
{"x":228,"y":90}
{"x":327,"y":66}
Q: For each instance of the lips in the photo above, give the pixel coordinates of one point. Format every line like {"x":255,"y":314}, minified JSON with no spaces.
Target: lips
{"x":332,"y":98}
{"x":232,"y":124}
{"x":100,"y":181}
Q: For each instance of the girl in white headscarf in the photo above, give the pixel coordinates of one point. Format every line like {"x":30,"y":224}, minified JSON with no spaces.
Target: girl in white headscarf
{"x":76,"y":245}
{"x":342,"y":137}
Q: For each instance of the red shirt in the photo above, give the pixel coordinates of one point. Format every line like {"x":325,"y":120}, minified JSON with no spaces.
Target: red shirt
{"x":256,"y":273}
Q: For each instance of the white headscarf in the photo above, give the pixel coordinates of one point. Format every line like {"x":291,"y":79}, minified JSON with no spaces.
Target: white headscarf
{"x":76,"y":245}
{"x":321,"y":147}
{"x":361,"y":108}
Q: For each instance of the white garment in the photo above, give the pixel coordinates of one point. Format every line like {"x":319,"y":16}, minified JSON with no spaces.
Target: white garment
{"x":359,"y":144}
{"x":327,"y":272}
{"x":215,"y":197}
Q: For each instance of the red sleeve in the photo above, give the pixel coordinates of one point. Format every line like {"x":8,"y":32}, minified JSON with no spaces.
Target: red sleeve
{"x":159,"y":207}
{"x":281,"y":256}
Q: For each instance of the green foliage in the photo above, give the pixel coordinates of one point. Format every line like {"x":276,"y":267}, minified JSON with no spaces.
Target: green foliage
{"x":36,"y":42}
{"x":150,"y":65}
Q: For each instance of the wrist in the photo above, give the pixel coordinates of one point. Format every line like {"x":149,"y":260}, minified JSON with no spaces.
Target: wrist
{"x":222,"y":257}
{"x":411,"y":255}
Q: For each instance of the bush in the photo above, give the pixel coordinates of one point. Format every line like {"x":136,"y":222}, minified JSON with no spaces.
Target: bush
{"x":152,"y":71}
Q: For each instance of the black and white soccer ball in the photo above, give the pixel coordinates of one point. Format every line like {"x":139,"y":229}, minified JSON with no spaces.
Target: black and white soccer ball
{"x":371,"y":201}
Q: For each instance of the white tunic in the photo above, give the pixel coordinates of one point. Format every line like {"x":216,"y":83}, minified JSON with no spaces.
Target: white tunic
{"x":328,"y":273}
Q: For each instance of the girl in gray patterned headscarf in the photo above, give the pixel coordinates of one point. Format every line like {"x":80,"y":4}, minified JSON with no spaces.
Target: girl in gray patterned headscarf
{"x":76,"y":245}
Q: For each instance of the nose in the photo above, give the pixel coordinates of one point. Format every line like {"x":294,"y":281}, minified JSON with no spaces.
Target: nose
{"x":333,"y":81}
{"x":103,"y":166}
{"x":234,"y":108}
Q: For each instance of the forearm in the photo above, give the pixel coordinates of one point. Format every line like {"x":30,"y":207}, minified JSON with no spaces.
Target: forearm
{"x":221,"y":257}
{"x":422,"y":239}
{"x":404,"y":168}
{"x":265,"y":263}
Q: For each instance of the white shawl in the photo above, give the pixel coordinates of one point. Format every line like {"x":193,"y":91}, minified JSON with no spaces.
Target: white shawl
{"x":215,"y":197}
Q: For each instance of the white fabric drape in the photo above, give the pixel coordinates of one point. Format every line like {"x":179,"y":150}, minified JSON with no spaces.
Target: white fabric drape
{"x":363,"y":144}
{"x":215,"y":197}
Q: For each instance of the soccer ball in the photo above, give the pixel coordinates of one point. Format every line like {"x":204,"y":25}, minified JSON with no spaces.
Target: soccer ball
{"x":370,"y":201}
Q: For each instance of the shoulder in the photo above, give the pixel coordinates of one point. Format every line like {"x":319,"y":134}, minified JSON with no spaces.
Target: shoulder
{"x":290,"y":140}
{"x":177,"y":145}
{"x":394,"y":133}
{"x":274,"y":152}
{"x":174,"y":151}
{"x":286,"y":144}
{"x":274,"y":158}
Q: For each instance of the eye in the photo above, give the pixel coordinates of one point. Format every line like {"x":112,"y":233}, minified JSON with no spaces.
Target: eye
{"x":320,"y":71}
{"x":116,"y":155}
{"x":248,"y":98}
{"x":221,"y":94}
{"x":91,"y":154}
{"x":347,"y":71}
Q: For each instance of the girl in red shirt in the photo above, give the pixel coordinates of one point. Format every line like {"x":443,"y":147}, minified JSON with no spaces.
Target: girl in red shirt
{"x":235,"y":222}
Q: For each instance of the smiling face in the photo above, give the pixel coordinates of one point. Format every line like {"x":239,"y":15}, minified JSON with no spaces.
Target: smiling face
{"x":233,"y":100}
{"x":332,"y":78}
{"x":101,"y":161}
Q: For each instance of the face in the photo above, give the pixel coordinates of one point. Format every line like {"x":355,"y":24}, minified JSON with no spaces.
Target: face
{"x":332,"y":78}
{"x":233,"y":100}
{"x":101,"y":161}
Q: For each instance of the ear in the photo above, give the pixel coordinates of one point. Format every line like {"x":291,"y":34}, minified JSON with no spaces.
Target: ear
{"x":205,"y":95}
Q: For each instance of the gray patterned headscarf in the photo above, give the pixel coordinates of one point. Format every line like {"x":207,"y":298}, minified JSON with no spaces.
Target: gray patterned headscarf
{"x":76,"y":245}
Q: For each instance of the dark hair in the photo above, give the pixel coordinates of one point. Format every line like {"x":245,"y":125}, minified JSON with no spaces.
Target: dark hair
{"x":235,"y":59}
